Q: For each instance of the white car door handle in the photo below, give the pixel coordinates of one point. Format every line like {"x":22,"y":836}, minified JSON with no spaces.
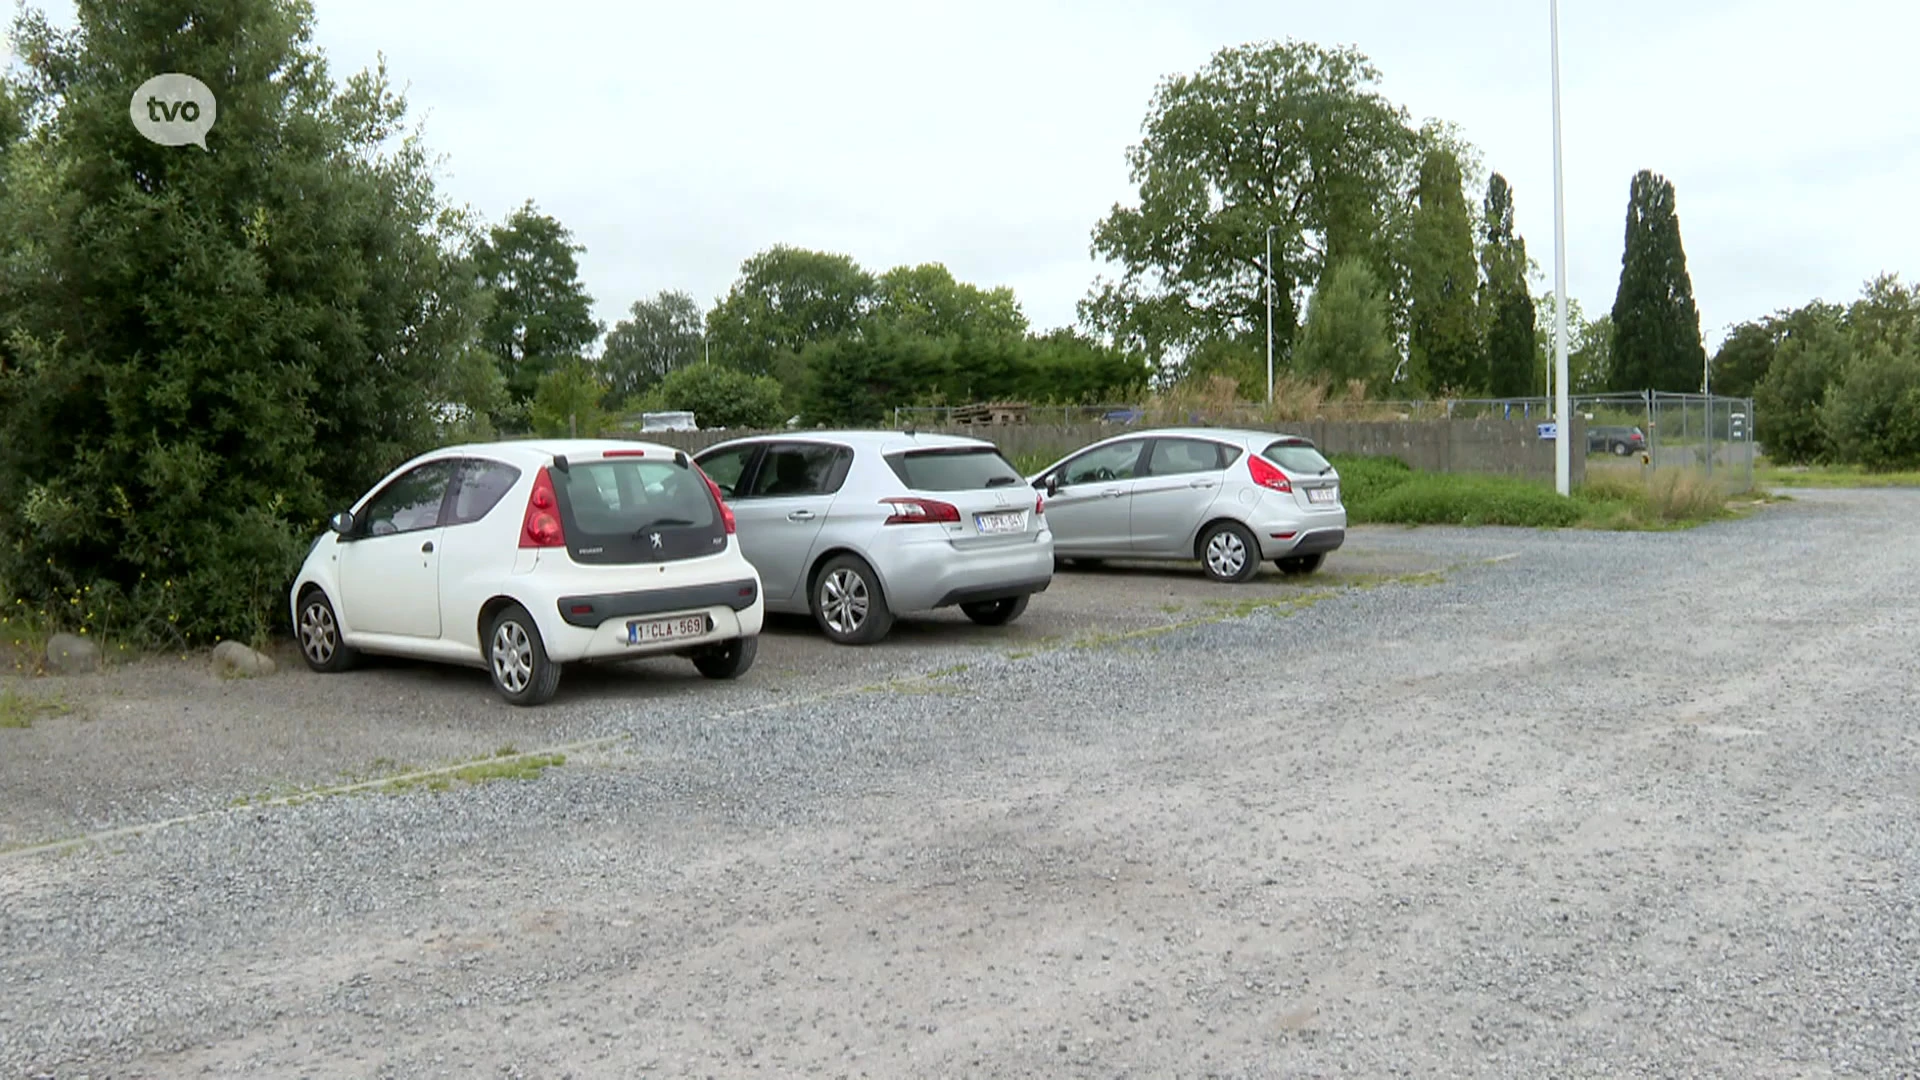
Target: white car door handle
{"x":800,"y":515}
{"x":1202,"y":483}
{"x":1112,"y":493}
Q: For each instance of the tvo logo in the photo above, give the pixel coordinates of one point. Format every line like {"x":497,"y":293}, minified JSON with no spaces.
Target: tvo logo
{"x":173,"y":110}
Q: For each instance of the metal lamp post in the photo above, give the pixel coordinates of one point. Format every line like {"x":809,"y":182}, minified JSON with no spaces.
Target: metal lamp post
{"x":1563,"y":429}
{"x":1269,"y":315}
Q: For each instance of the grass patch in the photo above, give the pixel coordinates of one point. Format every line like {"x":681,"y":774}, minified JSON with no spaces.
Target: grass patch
{"x":1767,"y":475}
{"x":501,"y":766}
{"x":1384,"y":491}
{"x":18,"y":710}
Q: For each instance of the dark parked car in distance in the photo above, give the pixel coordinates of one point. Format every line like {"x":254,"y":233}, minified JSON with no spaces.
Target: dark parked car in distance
{"x":1615,"y":440}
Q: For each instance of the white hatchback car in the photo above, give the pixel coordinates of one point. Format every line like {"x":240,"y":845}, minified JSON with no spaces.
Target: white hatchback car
{"x":521,"y":557}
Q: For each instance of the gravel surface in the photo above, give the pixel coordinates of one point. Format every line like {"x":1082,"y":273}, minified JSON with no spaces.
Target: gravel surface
{"x":1591,"y":805}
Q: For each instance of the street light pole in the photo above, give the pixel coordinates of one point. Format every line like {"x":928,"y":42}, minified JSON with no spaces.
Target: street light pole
{"x":1563,"y":429}
{"x":1269,"y":315}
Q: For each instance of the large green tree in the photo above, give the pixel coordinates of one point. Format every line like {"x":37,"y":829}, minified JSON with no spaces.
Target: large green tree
{"x":785,"y":299}
{"x":1506,"y":302}
{"x":1443,"y":346}
{"x":1790,"y":398}
{"x":1656,"y":339}
{"x":658,"y":337}
{"x":926,"y":300}
{"x":205,"y":352}
{"x":1589,"y":347}
{"x":1291,"y":136}
{"x":541,"y":317}
{"x":1347,"y":335}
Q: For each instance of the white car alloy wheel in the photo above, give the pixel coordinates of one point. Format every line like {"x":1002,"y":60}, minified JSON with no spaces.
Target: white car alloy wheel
{"x":521,"y":671}
{"x":320,"y":643}
{"x":512,"y":657}
{"x":319,"y":636}
{"x":844,"y":601}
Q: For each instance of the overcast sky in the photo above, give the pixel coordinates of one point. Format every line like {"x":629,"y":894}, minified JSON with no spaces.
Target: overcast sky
{"x":677,"y":139}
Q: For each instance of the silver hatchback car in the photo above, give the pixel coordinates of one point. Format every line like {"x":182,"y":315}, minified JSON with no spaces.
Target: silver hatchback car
{"x":856,"y":527}
{"x":1231,"y":499}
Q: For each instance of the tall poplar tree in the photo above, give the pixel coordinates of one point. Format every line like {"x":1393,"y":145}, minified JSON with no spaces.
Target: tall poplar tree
{"x":1656,"y":327}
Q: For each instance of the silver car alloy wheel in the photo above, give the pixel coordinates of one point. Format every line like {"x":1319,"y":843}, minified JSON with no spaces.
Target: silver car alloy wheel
{"x":318,"y":635}
{"x":843,"y":601}
{"x":1226,"y":555}
{"x":512,"y":657}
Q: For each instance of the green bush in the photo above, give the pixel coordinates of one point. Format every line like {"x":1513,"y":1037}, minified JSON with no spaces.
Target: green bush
{"x":720,"y":396}
{"x":1872,"y":416}
{"x":202,"y":354}
{"x":1451,"y":499}
{"x":1363,"y":480}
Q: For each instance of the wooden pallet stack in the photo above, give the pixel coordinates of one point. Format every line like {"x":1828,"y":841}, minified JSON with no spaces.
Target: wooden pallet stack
{"x":992,"y":413}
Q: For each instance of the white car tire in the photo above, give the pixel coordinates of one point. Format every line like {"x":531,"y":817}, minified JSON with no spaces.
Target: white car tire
{"x":517,"y":658}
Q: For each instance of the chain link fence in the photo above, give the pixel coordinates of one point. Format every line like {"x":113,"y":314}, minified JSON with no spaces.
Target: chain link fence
{"x":1638,"y":434}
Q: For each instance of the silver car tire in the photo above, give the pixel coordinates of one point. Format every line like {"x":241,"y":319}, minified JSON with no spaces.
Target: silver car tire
{"x":848,"y":603}
{"x":1229,"y":553}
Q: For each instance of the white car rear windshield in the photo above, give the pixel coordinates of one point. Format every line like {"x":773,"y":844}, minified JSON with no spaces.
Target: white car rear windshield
{"x":964,"y":469}
{"x":1294,"y":456}
{"x":619,"y":497}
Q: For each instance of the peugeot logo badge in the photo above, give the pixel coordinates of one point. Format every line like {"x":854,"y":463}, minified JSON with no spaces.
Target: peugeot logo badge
{"x":655,"y":537}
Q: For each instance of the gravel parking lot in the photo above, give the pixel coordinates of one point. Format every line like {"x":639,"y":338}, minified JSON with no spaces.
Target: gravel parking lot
{"x":1482,"y":802}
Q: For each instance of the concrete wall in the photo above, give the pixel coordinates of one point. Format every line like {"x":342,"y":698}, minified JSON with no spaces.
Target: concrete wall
{"x":1506,"y":447}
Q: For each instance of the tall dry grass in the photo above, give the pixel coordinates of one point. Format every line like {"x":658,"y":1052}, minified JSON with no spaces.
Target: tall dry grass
{"x":1296,"y":398}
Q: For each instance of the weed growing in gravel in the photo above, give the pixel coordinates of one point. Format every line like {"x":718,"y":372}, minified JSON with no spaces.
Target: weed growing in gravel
{"x":502,"y":766}
{"x":18,"y":710}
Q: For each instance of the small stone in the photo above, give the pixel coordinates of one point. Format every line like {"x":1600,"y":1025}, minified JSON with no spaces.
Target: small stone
{"x":70,"y":654}
{"x":234,"y":660}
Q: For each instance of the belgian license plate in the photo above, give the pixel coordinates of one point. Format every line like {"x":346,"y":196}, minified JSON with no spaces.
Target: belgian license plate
{"x":1322,"y":495}
{"x":1002,"y":523}
{"x":685,"y":626}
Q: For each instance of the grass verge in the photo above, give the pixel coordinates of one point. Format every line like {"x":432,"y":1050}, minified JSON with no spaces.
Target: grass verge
{"x":1385,"y":491}
{"x":1768,"y":475}
{"x":18,"y":710}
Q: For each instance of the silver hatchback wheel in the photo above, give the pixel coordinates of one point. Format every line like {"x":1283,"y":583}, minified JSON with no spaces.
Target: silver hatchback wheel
{"x":1227,"y":550}
{"x":512,"y":657}
{"x":1226,"y":554}
{"x":844,"y":601}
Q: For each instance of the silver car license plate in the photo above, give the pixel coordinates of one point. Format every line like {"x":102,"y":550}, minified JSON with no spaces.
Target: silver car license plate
{"x":1322,"y":495}
{"x":1001,"y":523}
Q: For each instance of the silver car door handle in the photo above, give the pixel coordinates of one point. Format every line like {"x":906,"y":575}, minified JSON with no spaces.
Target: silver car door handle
{"x":800,"y":515}
{"x":1202,"y":484}
{"x":1112,"y":493}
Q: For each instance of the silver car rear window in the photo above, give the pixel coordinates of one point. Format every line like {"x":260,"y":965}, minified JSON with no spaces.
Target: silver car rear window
{"x":964,"y":469}
{"x":1296,"y":456}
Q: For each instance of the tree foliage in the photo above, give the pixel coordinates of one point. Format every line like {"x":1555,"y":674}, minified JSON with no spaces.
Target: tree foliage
{"x":1291,"y":136}
{"x":570,"y":400}
{"x":1656,"y":341}
{"x":785,"y":299}
{"x":1871,"y":415}
{"x":1506,"y":304}
{"x":925,"y":300}
{"x":658,"y":337}
{"x":204,"y":353}
{"x":721,"y":396}
{"x":1788,"y":401}
{"x":540,"y":316}
{"x":1443,"y":347}
{"x":1347,"y":335}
